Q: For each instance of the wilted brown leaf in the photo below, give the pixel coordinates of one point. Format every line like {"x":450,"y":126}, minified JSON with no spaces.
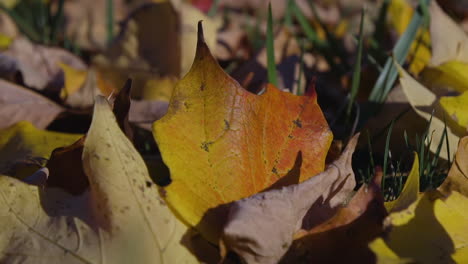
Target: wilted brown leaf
{"x":20,"y":104}
{"x":344,"y":238}
{"x":86,"y":22}
{"x":261,"y":228}
{"x":38,"y":65}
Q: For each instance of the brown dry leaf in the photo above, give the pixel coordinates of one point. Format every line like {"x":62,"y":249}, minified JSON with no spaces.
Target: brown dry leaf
{"x":39,"y":65}
{"x":66,"y":168}
{"x":144,"y":112}
{"x":145,"y":49}
{"x":231,"y":42}
{"x":121,"y":219}
{"x":86,"y":22}
{"x":457,"y":179}
{"x":121,"y":109}
{"x":329,"y":14}
{"x":348,"y":232}
{"x":261,"y":228}
{"x":20,"y":104}
{"x":7,"y":26}
{"x":152,"y":53}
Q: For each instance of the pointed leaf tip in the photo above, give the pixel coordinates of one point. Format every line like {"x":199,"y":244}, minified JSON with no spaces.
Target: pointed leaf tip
{"x":201,"y":37}
{"x":127,"y":86}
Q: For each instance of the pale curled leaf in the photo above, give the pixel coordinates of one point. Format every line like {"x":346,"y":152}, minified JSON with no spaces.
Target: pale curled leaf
{"x":347,"y":232}
{"x":449,"y":41}
{"x":424,"y":102}
{"x":457,"y":179}
{"x":260,"y":228}
{"x":122,"y":218}
{"x":20,"y":104}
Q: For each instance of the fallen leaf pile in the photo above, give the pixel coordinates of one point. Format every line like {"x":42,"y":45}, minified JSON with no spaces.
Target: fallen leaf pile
{"x":152,"y":134}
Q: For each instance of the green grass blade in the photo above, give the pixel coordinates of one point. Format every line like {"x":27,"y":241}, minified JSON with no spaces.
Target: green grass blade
{"x":213,"y":9}
{"x":334,"y":44}
{"x":381,"y":21}
{"x":288,"y":20}
{"x":22,"y":24}
{"x":387,"y":149}
{"x":389,"y":74}
{"x":357,"y":67}
{"x":308,"y":30}
{"x":110,"y":20}
{"x":300,"y":91}
{"x":56,"y":21}
{"x":447,"y":143}
{"x":271,"y":65}
{"x":371,"y":154}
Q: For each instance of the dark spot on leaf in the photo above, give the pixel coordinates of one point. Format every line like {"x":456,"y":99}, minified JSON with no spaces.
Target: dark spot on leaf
{"x":298,"y":123}
{"x":148,"y":184}
{"x":274,"y":170}
{"x":202,"y":87}
{"x":205,"y":146}
{"x":162,"y":192}
{"x":290,"y":136}
{"x":186,"y":105}
{"x":226,"y":124}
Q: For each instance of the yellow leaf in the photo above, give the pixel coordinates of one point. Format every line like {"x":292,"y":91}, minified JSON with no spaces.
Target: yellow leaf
{"x":74,"y":79}
{"x":10,"y":3}
{"x":431,"y":230}
{"x":158,"y":89}
{"x":423,"y":101}
{"x":5,"y":41}
{"x":223,"y":143}
{"x":22,"y":143}
{"x":457,"y":179}
{"x":451,"y":74}
{"x":456,"y":108}
{"x":121,"y":219}
{"x":400,"y":14}
{"x":385,"y":255}
{"x":410,"y":191}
